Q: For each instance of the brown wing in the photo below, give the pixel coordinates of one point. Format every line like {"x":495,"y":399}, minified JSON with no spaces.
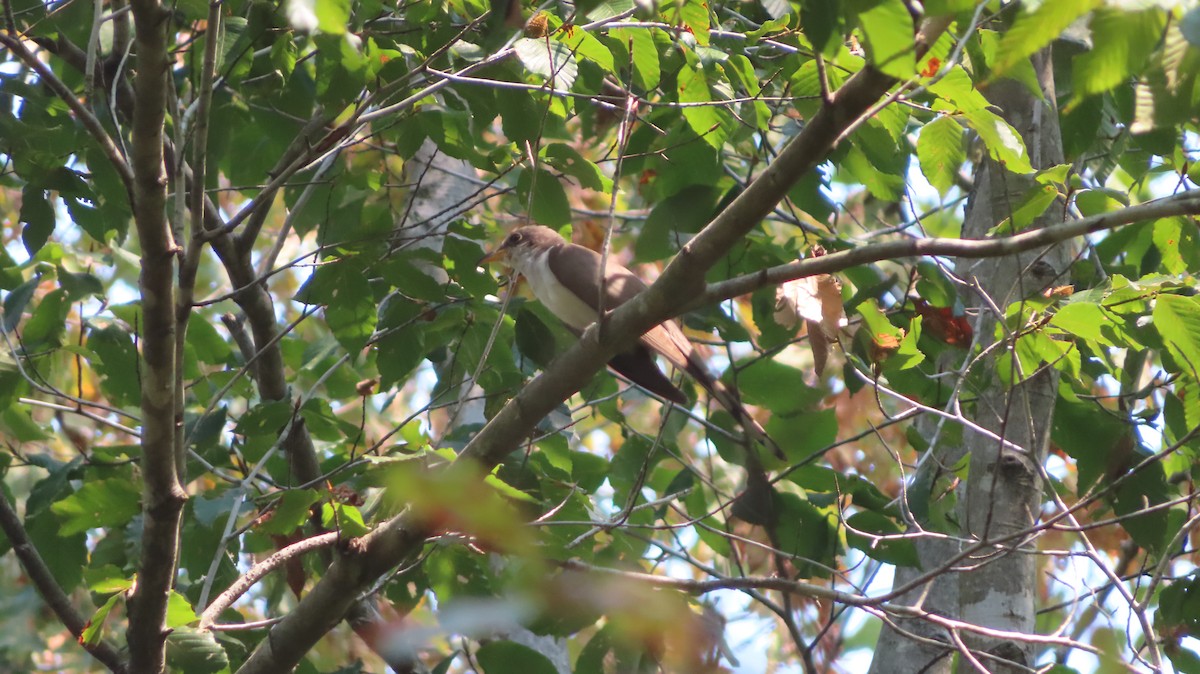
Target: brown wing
{"x":576,"y":267}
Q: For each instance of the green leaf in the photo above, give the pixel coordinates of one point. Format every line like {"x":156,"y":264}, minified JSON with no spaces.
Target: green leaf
{"x":332,"y":15}
{"x":345,"y":518}
{"x":323,"y":422}
{"x":195,"y":652}
{"x":568,"y":160}
{"x":37,"y":216}
{"x":908,"y":355}
{"x":888,"y":32}
{"x":351,"y":316}
{"x":1176,"y":241}
{"x":685,"y":212}
{"x":210,"y":346}
{"x":782,"y":388}
{"x":399,"y":353}
{"x":509,"y":657}
{"x":740,"y":72}
{"x":941,"y":152}
{"x":1003,"y":142}
{"x":807,"y":533}
{"x":1033,"y":30}
{"x":646,"y":71}
{"x":70,"y":551}
{"x":450,"y":131}
{"x":10,"y":274}
{"x":882,"y":184}
{"x":1123,"y":42}
{"x":48,"y":324}
{"x":694,"y":15}
{"x":261,"y":426}
{"x":208,"y":510}
{"x":609,"y":9}
{"x":1095,"y":202}
{"x":1033,"y":205}
{"x":17,"y":422}
{"x":1084,"y":320}
{"x":634,"y":456}
{"x":16,"y":301}
{"x":881,"y":331}
{"x":1087,"y":434}
{"x":586,"y":45}
{"x":810,"y":194}
{"x":554,"y":61}
{"x":290,"y":512}
{"x":944,"y":7}
{"x":898,"y":551}
{"x":118,"y":366}
{"x":342,"y":288}
{"x":820,"y":20}
{"x":957,"y":88}
{"x":102,"y":503}
{"x":548,"y":202}
{"x":706,"y":120}
{"x":93,"y":632}
{"x":405,"y":276}
{"x":79,"y":286}
{"x":801,"y":436}
{"x":983,"y":52}
{"x":520,"y":115}
{"x":91,"y":219}
{"x":534,"y":338}
{"x":179,"y":611}
{"x":1177,"y":320}
{"x":342,"y":69}
{"x":1147,"y":487}
{"x":461,"y":261}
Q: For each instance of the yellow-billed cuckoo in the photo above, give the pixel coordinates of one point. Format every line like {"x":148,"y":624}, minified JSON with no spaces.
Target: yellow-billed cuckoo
{"x":563,"y":276}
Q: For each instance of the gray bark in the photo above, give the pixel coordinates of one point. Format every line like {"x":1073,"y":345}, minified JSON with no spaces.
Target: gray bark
{"x":1003,"y":490}
{"x":1002,"y":494}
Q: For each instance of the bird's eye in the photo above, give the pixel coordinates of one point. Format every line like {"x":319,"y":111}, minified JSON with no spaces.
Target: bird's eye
{"x":513,"y":239}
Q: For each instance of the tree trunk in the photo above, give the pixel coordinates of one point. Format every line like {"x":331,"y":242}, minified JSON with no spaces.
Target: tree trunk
{"x":1002,"y":494}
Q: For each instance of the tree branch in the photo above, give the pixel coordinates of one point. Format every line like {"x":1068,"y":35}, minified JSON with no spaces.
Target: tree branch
{"x":51,"y":592}
{"x":163,"y":497}
{"x":256,"y":572}
{"x":1184,"y":203}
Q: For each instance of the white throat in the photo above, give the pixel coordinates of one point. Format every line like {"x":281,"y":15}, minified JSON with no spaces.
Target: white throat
{"x":534,"y":265}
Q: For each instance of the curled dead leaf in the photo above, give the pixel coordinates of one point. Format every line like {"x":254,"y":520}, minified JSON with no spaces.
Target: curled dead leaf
{"x":366,"y":387}
{"x":817,"y":299}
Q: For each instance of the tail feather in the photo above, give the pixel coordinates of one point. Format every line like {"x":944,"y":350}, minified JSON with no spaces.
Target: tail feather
{"x":638,"y":366}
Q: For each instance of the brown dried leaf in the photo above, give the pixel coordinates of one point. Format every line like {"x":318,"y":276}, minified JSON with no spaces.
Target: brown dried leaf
{"x":817,"y":299}
{"x":819,"y":345}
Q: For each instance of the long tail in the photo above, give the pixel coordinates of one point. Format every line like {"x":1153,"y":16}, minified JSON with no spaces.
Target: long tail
{"x":729,"y":399}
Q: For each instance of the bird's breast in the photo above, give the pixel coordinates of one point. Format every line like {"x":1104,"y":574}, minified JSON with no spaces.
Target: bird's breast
{"x":558,"y":299}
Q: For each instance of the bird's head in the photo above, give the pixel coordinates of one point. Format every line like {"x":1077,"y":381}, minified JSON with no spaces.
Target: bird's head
{"x":522,"y":244}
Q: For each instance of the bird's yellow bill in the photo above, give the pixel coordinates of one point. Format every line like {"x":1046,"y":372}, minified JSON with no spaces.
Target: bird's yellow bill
{"x":498,"y":255}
